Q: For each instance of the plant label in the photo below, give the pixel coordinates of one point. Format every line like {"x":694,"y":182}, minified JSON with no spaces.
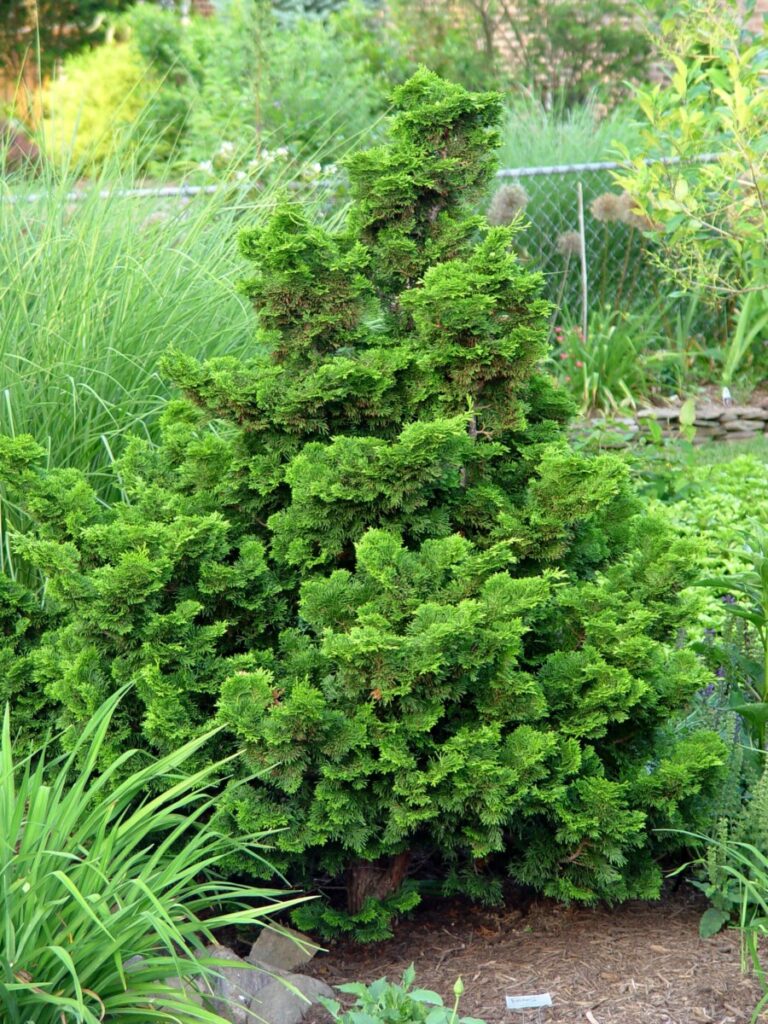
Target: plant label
{"x":529,"y":1002}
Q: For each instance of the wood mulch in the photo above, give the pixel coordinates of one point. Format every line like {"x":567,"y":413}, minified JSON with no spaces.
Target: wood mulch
{"x":642,"y":963}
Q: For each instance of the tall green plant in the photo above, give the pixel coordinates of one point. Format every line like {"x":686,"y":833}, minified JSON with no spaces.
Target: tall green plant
{"x":710,"y":218}
{"x":108,"y":881}
{"x":370,"y":551}
{"x":742,"y":869}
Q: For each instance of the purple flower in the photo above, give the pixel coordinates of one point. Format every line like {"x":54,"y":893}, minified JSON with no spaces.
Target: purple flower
{"x":728,"y":599}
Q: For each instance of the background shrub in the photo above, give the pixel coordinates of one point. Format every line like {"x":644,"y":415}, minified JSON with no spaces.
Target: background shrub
{"x":309,"y":87}
{"x":96,"y":106}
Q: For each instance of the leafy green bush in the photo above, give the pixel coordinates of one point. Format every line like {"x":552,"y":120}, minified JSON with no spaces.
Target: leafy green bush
{"x":745,"y":597}
{"x":713,"y":502}
{"x":163,"y":92}
{"x":390,"y":1003}
{"x":309,"y":88}
{"x":442,"y":38}
{"x":563,"y":50}
{"x":108,"y":881}
{"x":94,"y":108}
{"x":746,"y":822}
{"x":568,"y":51}
{"x":371,"y":553}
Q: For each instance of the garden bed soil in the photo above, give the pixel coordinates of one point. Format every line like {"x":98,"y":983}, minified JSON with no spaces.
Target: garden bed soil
{"x":642,"y":963}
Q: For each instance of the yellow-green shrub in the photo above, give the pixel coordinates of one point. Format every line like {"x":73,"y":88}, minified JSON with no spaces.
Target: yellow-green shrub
{"x":96,"y":105}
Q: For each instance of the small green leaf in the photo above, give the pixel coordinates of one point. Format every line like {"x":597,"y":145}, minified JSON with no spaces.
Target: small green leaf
{"x":353,"y":988}
{"x":425,"y":995}
{"x":687,"y":413}
{"x":711,"y":922}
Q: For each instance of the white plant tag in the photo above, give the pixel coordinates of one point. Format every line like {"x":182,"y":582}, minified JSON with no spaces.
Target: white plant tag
{"x":529,"y":1002}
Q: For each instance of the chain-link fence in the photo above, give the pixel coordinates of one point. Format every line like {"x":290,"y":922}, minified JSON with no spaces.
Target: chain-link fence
{"x":621,"y":272}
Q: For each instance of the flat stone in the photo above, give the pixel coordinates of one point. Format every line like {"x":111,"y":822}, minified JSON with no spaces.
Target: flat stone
{"x":279,"y":1004}
{"x":283,"y":948}
{"x":745,"y":424}
{"x":706,"y":413}
{"x":662,"y":413}
{"x":749,"y":412}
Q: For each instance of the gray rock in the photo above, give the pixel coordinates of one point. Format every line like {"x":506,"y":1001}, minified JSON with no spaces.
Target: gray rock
{"x":280,"y":1004}
{"x":736,"y":435}
{"x":249,"y":991}
{"x":283,"y":948}
{"x":237,"y":985}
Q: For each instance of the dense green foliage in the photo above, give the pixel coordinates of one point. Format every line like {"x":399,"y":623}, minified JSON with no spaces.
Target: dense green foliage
{"x":311,"y":76}
{"x":108,"y":882}
{"x":247,"y":79}
{"x":720,"y":498}
{"x":560,"y":50}
{"x":714,"y":503}
{"x":370,"y":552}
{"x":243,"y":79}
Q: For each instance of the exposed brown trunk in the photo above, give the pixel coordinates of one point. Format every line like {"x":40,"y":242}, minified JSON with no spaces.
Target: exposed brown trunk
{"x":472,"y":428}
{"x":375,"y":879}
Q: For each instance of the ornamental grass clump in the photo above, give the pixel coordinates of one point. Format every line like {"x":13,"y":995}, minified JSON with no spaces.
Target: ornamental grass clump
{"x":447,"y":641}
{"x":108,"y":882}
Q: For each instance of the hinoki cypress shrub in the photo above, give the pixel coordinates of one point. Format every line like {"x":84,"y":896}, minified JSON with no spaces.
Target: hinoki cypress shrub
{"x":445,"y":640}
